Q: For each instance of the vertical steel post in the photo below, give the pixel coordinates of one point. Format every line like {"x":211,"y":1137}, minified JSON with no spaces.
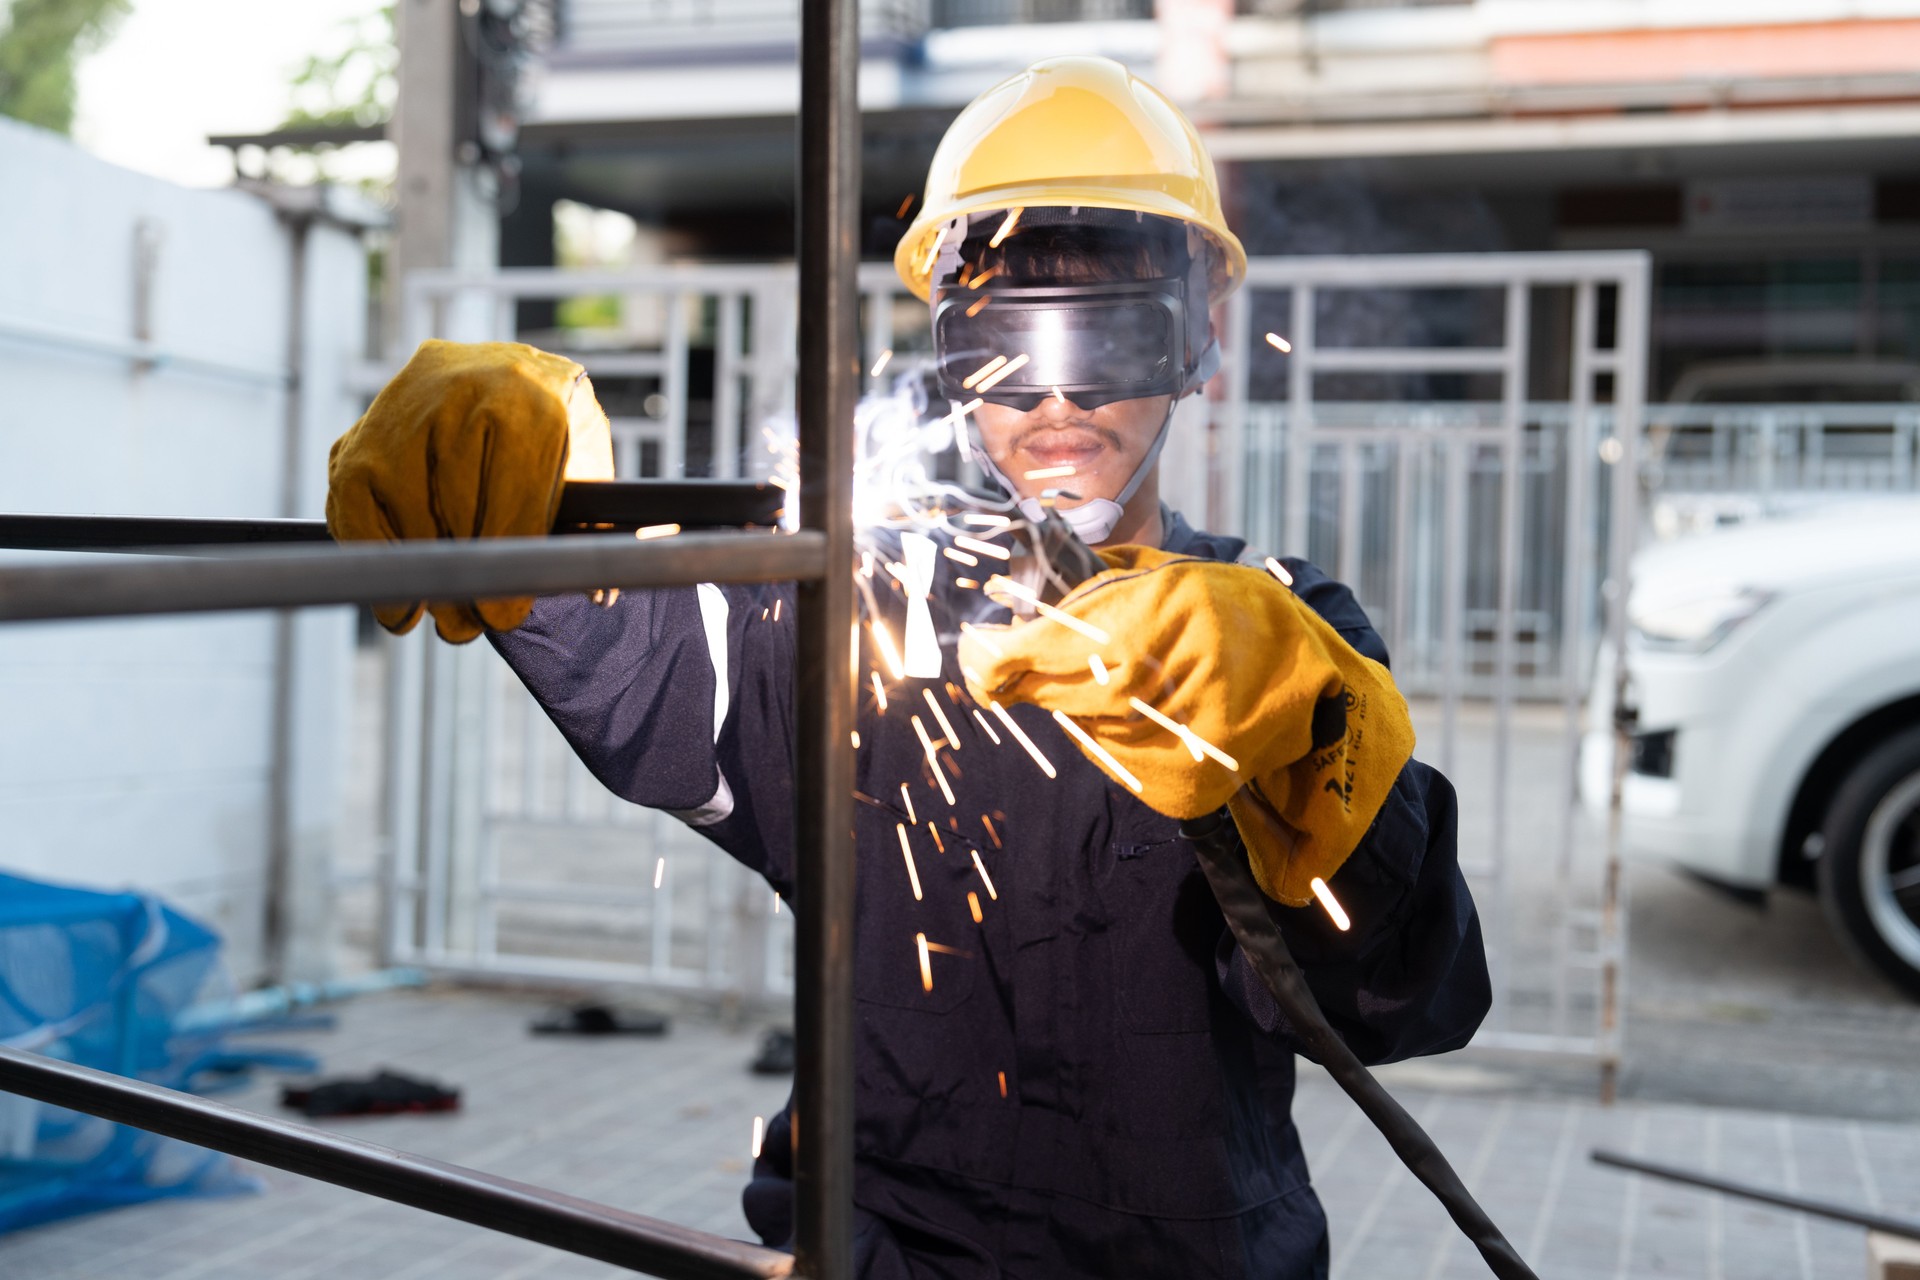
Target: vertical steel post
{"x":828,"y":379}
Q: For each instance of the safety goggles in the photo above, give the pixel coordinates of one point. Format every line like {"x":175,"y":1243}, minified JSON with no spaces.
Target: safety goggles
{"x":1091,"y":344}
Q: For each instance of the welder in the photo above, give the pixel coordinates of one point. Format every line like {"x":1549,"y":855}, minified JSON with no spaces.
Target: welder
{"x":1081,"y":1076}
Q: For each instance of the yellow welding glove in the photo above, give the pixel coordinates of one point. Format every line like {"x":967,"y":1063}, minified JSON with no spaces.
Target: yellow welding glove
{"x":1221,"y":687}
{"x":470,"y":440}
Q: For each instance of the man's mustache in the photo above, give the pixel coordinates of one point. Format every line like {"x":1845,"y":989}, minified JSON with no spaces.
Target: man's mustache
{"x":1106,"y":435}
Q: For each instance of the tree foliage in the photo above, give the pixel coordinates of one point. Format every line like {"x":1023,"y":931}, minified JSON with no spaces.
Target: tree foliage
{"x":40,"y":46}
{"x":352,"y":84}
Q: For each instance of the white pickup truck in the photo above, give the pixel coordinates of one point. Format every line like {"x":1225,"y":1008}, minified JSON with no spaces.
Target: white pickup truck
{"x":1774,"y":695}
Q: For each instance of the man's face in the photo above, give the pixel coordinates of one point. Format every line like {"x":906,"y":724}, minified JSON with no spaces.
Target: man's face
{"x":1104,"y":446}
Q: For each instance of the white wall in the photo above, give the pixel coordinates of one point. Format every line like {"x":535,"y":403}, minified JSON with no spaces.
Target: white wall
{"x":141,"y":753}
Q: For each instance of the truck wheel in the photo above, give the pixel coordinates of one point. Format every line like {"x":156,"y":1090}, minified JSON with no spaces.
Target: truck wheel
{"x":1870,"y":868}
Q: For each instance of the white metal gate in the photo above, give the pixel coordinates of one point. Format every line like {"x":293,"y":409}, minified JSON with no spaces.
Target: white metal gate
{"x":1477,"y":532}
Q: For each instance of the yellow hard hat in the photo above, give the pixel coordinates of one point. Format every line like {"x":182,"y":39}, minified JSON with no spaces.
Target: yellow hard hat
{"x":1072,"y":132}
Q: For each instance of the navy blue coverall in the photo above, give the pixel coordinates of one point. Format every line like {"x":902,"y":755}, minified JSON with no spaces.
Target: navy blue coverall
{"x":1143,"y":1127}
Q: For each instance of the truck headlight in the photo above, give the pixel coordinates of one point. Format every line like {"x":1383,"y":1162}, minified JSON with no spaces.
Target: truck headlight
{"x":1694,"y":623}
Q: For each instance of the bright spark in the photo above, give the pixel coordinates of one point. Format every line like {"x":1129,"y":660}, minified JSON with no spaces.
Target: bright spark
{"x":946,"y":725}
{"x":987,"y":822}
{"x":1279,"y":571}
{"x":866,"y":564}
{"x":926,"y":961}
{"x":985,"y":879}
{"x":856,"y":739}
{"x":1046,"y":766}
{"x":979,"y":306}
{"x":1049,"y":473}
{"x":973,"y":905}
{"x":970,"y":561}
{"x":1196,"y":744}
{"x":883,"y":641}
{"x":1279,"y":343}
{"x":879,"y":691}
{"x":905,"y":205}
{"x":1332,"y":904}
{"x":984,"y":725}
{"x":759,"y":1134}
{"x":1057,"y":396}
{"x":907,"y":798}
{"x":659,"y":872}
{"x":1061,"y":616}
{"x":648,"y":533}
{"x":1003,"y":1084}
{"x":906,"y":851}
{"x":776,"y":902}
{"x":982,"y":278}
{"x":881,"y":363}
{"x":933,"y":760}
{"x":1006,"y":229}
{"x":1001,"y":374}
{"x":966,"y":582}
{"x":933,"y":253}
{"x":967,"y":382}
{"x":776,"y":609}
{"x":1100,"y":675}
{"x":1098,"y":752}
{"x":981,"y":548}
{"x":986,"y":520}
{"x":934,"y":831}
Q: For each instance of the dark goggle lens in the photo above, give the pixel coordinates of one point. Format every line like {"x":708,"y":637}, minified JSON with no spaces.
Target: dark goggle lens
{"x":1107,"y":351}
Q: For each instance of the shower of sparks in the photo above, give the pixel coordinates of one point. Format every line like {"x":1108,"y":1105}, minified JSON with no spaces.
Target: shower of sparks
{"x":926,"y":961}
{"x":1003,"y":1084}
{"x":979,"y":306}
{"x":934,"y":831}
{"x":881,"y":363}
{"x":1046,"y":765}
{"x":968,"y":628}
{"x":1279,"y":571}
{"x":1337,"y":912}
{"x":983,"y":277}
{"x":1048,"y":473}
{"x":987,"y":727}
{"x":1061,"y":616}
{"x":648,"y":533}
{"x":933,"y":760}
{"x":1057,"y":396}
{"x":970,"y":583}
{"x":985,"y":879}
{"x":759,"y":1134}
{"x":973,"y":905}
{"x":906,"y":851}
{"x":986,"y":520}
{"x":946,"y":725}
{"x":883,"y":641}
{"x":1279,"y":343}
{"x":981,"y":548}
{"x":966,"y":383}
{"x":1098,"y":752}
{"x":1001,"y":374}
{"x":905,"y":205}
{"x":971,"y":561}
{"x":987,"y":822}
{"x":906,"y":797}
{"x":659,"y":872}
{"x":879,"y":691}
{"x":1006,"y":228}
{"x":1196,"y":744}
{"x":1098,"y":667}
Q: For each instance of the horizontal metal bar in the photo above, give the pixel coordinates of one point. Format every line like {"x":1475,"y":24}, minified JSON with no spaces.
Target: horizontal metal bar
{"x":1907,"y":1228}
{"x":478,"y":569}
{"x":585,"y":507}
{"x":1408,"y":359}
{"x":499,"y":1204}
{"x":1443,"y":270}
{"x":138,"y":352}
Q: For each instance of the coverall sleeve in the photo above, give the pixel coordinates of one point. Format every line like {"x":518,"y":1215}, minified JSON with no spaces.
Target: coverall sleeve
{"x":677,"y":699}
{"x":1410,"y":977}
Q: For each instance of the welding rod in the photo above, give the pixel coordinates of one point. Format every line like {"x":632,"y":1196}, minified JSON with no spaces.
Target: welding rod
{"x":1906,"y":1228}
{"x":512,"y":1208}
{"x":590,"y":506}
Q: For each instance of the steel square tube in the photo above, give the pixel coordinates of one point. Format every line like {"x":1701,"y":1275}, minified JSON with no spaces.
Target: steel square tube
{"x":512,"y":1208}
{"x":479,"y":569}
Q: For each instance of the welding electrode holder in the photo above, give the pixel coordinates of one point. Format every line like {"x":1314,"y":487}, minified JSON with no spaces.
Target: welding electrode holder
{"x":1223,"y":858}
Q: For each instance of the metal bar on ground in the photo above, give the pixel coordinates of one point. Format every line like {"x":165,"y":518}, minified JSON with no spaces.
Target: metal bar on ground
{"x":585,"y":507}
{"x":480,"y":569}
{"x":1907,"y":1228}
{"x":829,"y":373}
{"x":499,"y":1204}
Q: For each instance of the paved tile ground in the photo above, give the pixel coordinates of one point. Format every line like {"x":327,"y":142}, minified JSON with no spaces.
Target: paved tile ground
{"x":663,"y":1127}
